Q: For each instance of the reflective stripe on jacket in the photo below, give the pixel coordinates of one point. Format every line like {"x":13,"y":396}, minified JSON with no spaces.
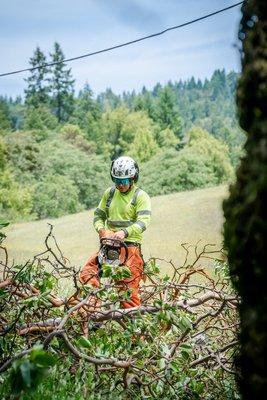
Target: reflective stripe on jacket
{"x":131,"y":212}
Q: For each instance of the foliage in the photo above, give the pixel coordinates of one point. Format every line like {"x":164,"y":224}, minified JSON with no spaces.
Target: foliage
{"x":120,"y":127}
{"x":23,"y":153}
{"x":143,"y":102}
{"x":166,"y":138}
{"x":203,"y":162}
{"x":215,"y":153}
{"x":77,"y":136}
{"x":15,"y":201}
{"x":143,"y":146}
{"x":34,"y":159}
{"x":37,"y":91}
{"x":17,"y":113}
{"x":37,"y":155}
{"x":2,"y":155}
{"x":5,"y":122}
{"x":55,"y":195}
{"x":245,"y":210}
{"x":27,"y":373}
{"x":167,"y":114}
{"x":87,"y":111}
{"x":39,"y":118}
{"x":61,"y":83}
{"x":179,"y":344}
{"x":89,"y":173}
{"x":74,"y":135}
{"x":3,"y":224}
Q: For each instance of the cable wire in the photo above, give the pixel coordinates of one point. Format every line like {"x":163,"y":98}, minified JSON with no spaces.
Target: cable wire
{"x":126,"y":43}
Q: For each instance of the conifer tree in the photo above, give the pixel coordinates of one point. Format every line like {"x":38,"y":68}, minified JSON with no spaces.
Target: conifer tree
{"x":87,"y":112}
{"x":218,"y":83}
{"x":62,"y":86}
{"x":87,"y":107}
{"x":37,"y":91}
{"x":144,"y":102}
{"x":167,"y":113}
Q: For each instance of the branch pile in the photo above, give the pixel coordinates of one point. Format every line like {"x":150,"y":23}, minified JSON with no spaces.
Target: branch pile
{"x":180,"y":341}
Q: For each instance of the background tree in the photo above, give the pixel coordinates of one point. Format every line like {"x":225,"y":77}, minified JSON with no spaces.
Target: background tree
{"x":62,"y":86}
{"x":204,"y":161}
{"x":120,"y":128}
{"x":54,"y":196}
{"x":5,"y":122}
{"x":37,"y":92}
{"x":40,"y":118}
{"x":2,"y":155}
{"x":245,"y":211}
{"x":87,"y":111}
{"x":167,"y":112}
{"x":166,"y":138}
{"x":218,"y":82}
{"x":144,"y":145}
{"x":108,"y":99}
{"x":144,"y":102}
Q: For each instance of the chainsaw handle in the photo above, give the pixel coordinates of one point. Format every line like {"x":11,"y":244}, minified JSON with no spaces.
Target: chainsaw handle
{"x":116,"y":243}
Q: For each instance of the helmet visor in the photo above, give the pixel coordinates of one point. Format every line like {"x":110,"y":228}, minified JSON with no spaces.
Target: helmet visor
{"x":121,"y":181}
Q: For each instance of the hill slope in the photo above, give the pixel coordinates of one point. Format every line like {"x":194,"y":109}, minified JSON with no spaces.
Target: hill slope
{"x":184,"y":217}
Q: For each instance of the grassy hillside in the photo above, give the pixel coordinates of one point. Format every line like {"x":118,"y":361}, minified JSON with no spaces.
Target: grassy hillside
{"x":184,"y":217}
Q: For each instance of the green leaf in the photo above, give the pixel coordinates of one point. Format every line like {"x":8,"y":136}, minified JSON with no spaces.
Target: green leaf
{"x":185,"y":354}
{"x":45,"y":360}
{"x":185,"y":346}
{"x":106,"y":271}
{"x":25,"y":370}
{"x":158,"y":303}
{"x":3,"y":224}
{"x":174,"y":366}
{"x":83,"y":342}
{"x":185,"y":323}
{"x":41,"y":358}
{"x":166,"y":278}
{"x":162,"y":363}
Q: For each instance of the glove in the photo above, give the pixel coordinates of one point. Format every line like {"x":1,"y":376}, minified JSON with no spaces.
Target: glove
{"x":120,"y":234}
{"x":105,"y":233}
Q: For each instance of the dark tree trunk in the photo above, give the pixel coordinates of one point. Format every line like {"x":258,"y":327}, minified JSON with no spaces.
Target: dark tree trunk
{"x":245,"y":229}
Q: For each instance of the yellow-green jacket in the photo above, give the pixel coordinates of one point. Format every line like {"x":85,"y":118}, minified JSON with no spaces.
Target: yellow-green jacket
{"x":130,"y":212}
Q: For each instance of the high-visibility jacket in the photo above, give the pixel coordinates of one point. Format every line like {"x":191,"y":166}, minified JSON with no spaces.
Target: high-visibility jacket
{"x":130,"y":212}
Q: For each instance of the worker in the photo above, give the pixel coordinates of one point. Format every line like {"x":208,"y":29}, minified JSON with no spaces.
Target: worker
{"x":123,"y":213}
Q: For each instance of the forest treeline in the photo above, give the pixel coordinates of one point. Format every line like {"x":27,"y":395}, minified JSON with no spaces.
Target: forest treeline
{"x":56,"y":146}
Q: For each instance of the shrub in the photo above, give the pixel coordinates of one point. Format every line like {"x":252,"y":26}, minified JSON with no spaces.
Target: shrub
{"x":171,"y":171}
{"x":74,"y":135}
{"x":23,"y":154}
{"x":40,"y":118}
{"x":54,"y":196}
{"x":203,"y":162}
{"x":215,"y":152}
{"x":2,"y":155}
{"x":15,"y":201}
{"x":90,"y":174}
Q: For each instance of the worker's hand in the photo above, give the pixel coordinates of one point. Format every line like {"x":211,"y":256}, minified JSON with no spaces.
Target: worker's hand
{"x":119,"y":235}
{"x":105,"y":233}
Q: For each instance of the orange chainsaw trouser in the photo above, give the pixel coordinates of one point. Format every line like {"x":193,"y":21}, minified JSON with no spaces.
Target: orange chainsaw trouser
{"x":90,"y":275}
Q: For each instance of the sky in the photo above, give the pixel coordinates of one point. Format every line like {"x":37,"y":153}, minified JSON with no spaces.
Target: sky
{"x":84,"y":26}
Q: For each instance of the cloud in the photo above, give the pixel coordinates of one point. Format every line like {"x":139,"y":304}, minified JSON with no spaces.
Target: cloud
{"x":136,"y":14}
{"x":88,"y":25}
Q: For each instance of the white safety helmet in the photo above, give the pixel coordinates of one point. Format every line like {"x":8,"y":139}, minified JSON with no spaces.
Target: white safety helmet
{"x":124,"y":167}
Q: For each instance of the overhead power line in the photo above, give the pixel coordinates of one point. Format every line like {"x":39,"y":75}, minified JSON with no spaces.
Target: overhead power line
{"x":126,"y":43}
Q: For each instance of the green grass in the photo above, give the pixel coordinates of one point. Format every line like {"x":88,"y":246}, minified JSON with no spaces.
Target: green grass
{"x":184,"y":217}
